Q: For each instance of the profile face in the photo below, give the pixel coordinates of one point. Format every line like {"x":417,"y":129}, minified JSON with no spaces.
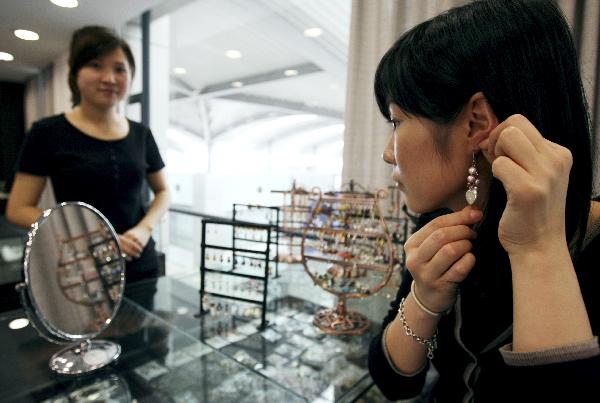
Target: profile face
{"x":429,"y":177}
{"x":104,"y":81}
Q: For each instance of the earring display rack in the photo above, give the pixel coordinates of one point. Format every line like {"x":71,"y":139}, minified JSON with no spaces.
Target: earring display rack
{"x":295,"y":211}
{"x":234,"y":263}
{"x":348,"y":251}
{"x":267,"y":215}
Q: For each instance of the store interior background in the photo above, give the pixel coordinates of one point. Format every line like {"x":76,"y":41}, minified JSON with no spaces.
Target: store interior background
{"x":244,"y":97}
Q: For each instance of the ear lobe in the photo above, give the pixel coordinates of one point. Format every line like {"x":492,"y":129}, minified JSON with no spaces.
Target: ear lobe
{"x":482,"y":119}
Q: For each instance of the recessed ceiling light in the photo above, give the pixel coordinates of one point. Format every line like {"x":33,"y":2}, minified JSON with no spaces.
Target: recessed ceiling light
{"x":26,"y":35}
{"x":233,"y":54}
{"x":18,"y":323}
{"x":179,"y":70}
{"x":290,"y":72}
{"x":237,"y":84}
{"x":313,"y":32}
{"x":65,"y":3}
{"x":6,"y":57}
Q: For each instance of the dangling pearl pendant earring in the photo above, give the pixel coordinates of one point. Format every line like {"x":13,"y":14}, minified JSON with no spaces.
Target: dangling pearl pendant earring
{"x":472,"y":182}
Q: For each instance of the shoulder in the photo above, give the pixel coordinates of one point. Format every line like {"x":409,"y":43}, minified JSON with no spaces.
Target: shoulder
{"x":48,"y":129}
{"x":50,"y":122}
{"x":138,"y":128}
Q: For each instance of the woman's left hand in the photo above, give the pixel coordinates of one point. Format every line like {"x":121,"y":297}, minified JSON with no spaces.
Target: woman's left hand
{"x":535,"y":175}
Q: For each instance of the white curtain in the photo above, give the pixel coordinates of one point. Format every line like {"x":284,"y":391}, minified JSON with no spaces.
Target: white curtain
{"x":374,"y":27}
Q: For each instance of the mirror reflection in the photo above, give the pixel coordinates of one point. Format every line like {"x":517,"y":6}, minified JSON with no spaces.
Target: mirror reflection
{"x":74,"y":270}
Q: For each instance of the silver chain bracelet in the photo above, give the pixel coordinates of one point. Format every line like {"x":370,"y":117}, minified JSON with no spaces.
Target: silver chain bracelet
{"x":430,"y":344}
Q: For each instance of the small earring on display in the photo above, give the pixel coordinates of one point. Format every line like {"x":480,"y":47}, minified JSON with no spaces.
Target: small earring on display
{"x":472,"y":182}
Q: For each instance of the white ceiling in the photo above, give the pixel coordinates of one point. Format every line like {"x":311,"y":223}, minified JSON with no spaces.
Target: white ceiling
{"x":268,"y":32}
{"x":55,"y":26}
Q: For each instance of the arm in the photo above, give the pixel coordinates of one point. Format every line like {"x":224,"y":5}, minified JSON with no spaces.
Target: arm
{"x":24,"y":196}
{"x":135,"y":239}
{"x":548,"y":307}
{"x":439,"y":258}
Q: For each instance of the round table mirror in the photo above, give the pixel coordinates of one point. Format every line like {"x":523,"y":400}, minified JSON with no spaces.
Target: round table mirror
{"x":74,"y":279}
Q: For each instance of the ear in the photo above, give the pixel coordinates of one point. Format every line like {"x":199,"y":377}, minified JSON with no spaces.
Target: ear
{"x":481,"y":119}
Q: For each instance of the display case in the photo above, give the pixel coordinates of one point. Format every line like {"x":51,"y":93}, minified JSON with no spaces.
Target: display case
{"x":235,"y":262}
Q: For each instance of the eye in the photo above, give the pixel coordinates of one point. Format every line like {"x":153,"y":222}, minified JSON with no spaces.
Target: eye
{"x":120,"y":69}
{"x":94,"y":64}
{"x":395,"y":123}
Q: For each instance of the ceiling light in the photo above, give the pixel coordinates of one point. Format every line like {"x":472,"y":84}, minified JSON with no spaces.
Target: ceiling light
{"x":237,"y":84}
{"x":18,"y":323}
{"x":6,"y":57}
{"x":65,"y":3}
{"x":233,"y":54}
{"x":26,"y":35}
{"x":179,"y":70}
{"x":290,"y":72}
{"x":313,"y":32}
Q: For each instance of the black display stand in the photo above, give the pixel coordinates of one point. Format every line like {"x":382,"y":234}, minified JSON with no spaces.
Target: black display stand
{"x":267,"y":215}
{"x":239,"y":251}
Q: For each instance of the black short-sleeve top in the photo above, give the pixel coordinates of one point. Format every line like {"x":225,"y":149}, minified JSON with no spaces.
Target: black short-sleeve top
{"x":109,"y":175}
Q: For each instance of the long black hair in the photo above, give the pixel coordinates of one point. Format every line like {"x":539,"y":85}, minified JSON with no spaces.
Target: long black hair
{"x":521,"y":55}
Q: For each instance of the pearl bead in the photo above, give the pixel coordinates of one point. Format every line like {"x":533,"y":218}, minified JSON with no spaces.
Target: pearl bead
{"x":472,"y":170}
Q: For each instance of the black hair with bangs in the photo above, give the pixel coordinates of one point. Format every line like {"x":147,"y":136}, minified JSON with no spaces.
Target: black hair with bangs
{"x":521,"y":56}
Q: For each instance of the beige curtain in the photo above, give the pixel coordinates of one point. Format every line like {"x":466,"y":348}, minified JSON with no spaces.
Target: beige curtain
{"x":374,"y":27}
{"x":47,"y":94}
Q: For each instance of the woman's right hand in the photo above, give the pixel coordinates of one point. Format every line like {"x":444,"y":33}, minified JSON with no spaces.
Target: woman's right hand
{"x":439,"y":257}
{"x":130,"y":247}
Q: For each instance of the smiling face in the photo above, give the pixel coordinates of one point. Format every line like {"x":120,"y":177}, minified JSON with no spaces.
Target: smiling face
{"x":104,"y":81}
{"x":430,"y":176}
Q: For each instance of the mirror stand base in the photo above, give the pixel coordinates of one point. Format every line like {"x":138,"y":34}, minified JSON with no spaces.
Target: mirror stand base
{"x":84,"y":357}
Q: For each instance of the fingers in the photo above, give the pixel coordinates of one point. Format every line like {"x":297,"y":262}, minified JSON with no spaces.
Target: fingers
{"x":515,"y":144}
{"x":523,"y":125}
{"x":467,"y":216}
{"x":460,"y":269}
{"x":444,"y":238}
{"x":130,"y":246}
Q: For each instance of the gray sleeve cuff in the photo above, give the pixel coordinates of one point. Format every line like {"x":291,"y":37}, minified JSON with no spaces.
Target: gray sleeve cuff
{"x":389,"y":360}
{"x":573,"y":352}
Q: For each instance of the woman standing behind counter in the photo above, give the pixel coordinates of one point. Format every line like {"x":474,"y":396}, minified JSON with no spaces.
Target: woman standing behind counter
{"x":95,"y":155}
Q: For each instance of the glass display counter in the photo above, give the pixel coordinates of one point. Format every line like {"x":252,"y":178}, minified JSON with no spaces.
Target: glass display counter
{"x":170,"y":355}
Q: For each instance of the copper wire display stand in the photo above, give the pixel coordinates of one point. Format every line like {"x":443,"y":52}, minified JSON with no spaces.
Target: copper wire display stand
{"x":294,"y":214}
{"x":341,"y":320}
{"x":347,"y":250}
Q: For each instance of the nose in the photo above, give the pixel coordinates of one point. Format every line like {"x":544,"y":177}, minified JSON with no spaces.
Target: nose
{"x":108,"y":76}
{"x":388,"y":152}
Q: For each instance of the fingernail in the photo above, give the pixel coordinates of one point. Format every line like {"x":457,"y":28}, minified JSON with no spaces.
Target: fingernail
{"x":475,"y":214}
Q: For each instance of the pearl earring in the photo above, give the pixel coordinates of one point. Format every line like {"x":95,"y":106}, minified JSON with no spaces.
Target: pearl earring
{"x":472,"y":182}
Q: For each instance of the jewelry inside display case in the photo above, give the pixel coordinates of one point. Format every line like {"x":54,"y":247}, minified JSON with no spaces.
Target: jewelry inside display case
{"x":348,"y":251}
{"x":295,"y":211}
{"x":234,"y":266}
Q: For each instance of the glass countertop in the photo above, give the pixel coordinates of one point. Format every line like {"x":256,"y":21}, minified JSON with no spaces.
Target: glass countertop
{"x":171,"y":354}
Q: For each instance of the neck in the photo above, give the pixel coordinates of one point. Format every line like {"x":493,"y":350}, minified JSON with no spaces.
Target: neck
{"x":98,"y":116}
